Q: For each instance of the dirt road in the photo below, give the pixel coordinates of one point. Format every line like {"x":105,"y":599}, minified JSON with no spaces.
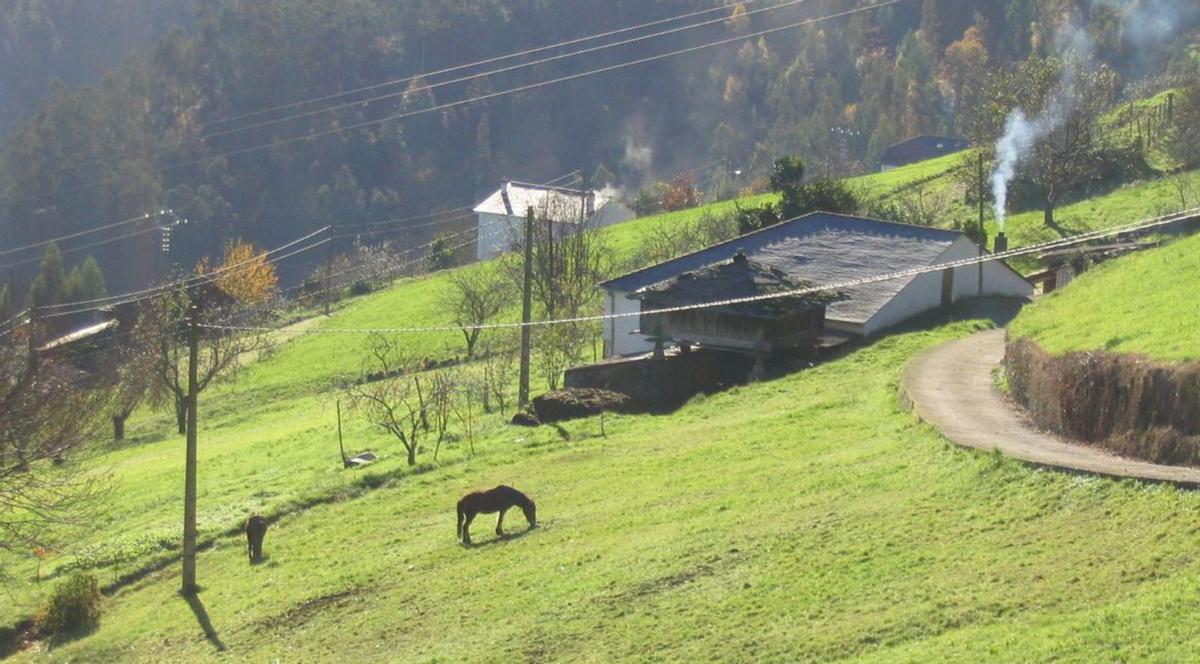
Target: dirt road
{"x":951,"y":388}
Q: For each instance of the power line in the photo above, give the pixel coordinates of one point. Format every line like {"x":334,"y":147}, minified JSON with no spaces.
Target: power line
{"x":114,"y":300}
{"x":810,"y":290}
{"x":370,"y":100}
{"x":504,"y":70}
{"x":533,"y":86}
{"x":90,"y":245}
{"x":187,"y":284}
{"x":430,"y":215}
{"x":132,"y":220}
{"x":494,"y":95}
{"x":456,"y":68}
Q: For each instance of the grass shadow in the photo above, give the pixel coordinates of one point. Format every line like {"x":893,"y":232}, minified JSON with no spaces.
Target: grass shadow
{"x":210,"y":632}
{"x":506,"y":537}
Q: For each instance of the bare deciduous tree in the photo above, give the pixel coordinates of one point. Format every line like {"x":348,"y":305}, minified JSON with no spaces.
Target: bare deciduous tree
{"x":221,"y":352}
{"x":396,"y":405}
{"x":47,"y":417}
{"x":672,"y":239}
{"x":569,"y":260}
{"x":560,"y":346}
{"x":443,"y":386}
{"x":476,"y":295}
{"x":464,"y":405}
{"x":496,"y":383}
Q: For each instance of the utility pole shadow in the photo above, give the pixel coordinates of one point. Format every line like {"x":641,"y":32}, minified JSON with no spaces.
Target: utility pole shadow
{"x":210,"y":632}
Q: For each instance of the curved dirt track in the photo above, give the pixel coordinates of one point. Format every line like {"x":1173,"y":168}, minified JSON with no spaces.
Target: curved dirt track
{"x":951,"y":387}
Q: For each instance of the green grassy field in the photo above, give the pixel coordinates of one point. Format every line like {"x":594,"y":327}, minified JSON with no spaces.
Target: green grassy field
{"x":807,"y":517}
{"x":1145,"y":303}
{"x":825,"y":448}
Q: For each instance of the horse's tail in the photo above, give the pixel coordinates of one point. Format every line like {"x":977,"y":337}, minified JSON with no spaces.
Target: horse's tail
{"x":461,"y":517}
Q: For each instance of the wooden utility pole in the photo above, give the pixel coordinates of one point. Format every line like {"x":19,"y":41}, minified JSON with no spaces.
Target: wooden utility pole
{"x":982,"y":234}
{"x":32,"y":359}
{"x":329,"y":270}
{"x":526,"y":311}
{"x":189,"y":482}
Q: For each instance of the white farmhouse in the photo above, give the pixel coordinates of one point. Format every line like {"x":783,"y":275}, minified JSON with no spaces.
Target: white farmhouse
{"x":501,"y":217}
{"x":823,"y":248}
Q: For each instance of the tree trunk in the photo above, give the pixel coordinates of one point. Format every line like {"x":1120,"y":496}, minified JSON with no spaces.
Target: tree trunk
{"x":1048,"y":205}
{"x":181,"y":413}
{"x":412,"y":455}
{"x":472,"y":337}
{"x":118,"y":420}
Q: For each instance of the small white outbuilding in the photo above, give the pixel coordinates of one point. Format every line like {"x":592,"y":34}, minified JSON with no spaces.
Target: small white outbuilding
{"x":501,"y":216}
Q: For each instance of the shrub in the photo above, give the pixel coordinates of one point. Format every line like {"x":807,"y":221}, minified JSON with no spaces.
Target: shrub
{"x":74,"y":606}
{"x":360,"y":287}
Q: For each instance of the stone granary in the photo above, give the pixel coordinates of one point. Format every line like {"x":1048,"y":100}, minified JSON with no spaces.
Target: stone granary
{"x":823,"y":248}
{"x":758,"y":327}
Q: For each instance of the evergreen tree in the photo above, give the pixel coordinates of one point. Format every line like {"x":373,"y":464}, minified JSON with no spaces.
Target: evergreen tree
{"x":5,"y":302}
{"x":91,"y":280}
{"x":50,"y":286}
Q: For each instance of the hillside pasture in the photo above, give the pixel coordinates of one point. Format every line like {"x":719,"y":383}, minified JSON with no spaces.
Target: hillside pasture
{"x":803,"y":518}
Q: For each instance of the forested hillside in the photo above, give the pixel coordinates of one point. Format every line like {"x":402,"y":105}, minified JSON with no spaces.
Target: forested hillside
{"x":187,"y":124}
{"x":48,"y":45}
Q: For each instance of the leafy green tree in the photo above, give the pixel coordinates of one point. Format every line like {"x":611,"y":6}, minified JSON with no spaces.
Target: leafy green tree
{"x":787,"y":177}
{"x":441,"y":255}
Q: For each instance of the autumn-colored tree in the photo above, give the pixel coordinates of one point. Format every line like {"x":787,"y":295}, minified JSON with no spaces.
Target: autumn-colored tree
{"x":680,"y":194}
{"x":246,"y":275}
{"x":964,"y":69}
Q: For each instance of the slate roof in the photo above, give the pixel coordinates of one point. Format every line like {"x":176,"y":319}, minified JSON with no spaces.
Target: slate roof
{"x":821,"y":248}
{"x":558,"y":203}
{"x":920,"y":148}
{"x":737,"y":277}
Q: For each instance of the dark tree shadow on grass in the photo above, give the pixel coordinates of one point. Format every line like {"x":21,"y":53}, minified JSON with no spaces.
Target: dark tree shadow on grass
{"x":210,"y":632}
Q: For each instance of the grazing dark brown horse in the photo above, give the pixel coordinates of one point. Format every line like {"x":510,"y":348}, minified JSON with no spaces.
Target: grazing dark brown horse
{"x":499,"y":500}
{"x":256,"y":530}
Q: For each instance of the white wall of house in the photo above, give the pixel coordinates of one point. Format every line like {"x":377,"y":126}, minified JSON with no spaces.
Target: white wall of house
{"x":495,"y":234}
{"x":497,"y":231}
{"x":924,"y":292}
{"x":619,"y":336}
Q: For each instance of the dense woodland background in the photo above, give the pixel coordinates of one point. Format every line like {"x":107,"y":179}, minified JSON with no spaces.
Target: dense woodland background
{"x":114,"y":108}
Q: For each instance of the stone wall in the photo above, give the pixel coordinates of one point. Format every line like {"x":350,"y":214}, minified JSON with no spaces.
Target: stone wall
{"x":661,"y":385}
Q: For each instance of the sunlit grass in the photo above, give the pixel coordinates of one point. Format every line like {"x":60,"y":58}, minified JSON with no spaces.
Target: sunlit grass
{"x":1146,"y":303}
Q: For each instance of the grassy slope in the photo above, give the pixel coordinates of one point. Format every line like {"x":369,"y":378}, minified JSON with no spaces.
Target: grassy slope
{"x":268,"y":442}
{"x":1145,"y":303}
{"x":803,"y":518}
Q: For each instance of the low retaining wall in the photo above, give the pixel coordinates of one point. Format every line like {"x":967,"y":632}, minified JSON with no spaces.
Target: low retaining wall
{"x":659,"y":385}
{"x":1124,"y":403}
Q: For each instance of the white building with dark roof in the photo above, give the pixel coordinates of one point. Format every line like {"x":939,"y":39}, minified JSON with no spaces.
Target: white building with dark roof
{"x":823,"y":248}
{"x":501,"y":216}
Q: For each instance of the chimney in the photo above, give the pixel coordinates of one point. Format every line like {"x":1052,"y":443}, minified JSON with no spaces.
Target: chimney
{"x":1001,"y":245}
{"x":504,"y":196}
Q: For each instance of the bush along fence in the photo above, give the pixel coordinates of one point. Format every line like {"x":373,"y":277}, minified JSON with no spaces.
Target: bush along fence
{"x":1126,"y":404}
